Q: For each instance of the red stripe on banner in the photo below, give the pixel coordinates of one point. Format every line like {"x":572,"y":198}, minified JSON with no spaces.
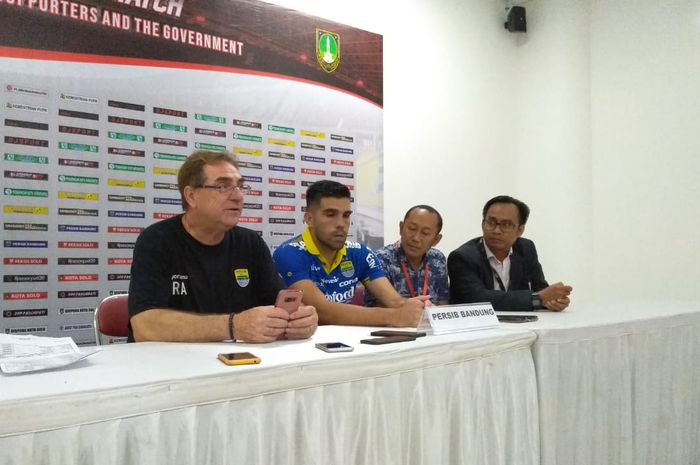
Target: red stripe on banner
{"x":33,"y":54}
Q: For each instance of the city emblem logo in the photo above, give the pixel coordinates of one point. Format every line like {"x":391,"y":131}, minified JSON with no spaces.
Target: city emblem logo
{"x":242,"y":276}
{"x":327,"y":50}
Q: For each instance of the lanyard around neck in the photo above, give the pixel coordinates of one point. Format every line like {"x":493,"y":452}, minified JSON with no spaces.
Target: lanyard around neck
{"x":498,"y":279}
{"x":410,"y":284}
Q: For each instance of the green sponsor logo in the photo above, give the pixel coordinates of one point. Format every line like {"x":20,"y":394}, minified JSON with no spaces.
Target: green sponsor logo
{"x":78,"y":147}
{"x":122,"y":167}
{"x":78,"y":179}
{"x":214,"y":147}
{"x":169,"y":156}
{"x":211,"y":118}
{"x":126,"y":136}
{"x":26,"y":192}
{"x":327,"y":50}
{"x":272,"y":127}
{"x":26,"y":158}
{"x":248,"y":137}
{"x":170,"y":127}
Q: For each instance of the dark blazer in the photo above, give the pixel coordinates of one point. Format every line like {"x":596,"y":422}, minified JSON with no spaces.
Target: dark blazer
{"x":471,"y":276}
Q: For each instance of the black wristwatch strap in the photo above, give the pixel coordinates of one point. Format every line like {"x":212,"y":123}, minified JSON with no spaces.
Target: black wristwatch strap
{"x":536,"y":302}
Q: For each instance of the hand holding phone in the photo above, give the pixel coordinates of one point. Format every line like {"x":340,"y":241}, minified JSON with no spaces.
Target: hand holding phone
{"x":289,"y":299}
{"x":239,"y":358}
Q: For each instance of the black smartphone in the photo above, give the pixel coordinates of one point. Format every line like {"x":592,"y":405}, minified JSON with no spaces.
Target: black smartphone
{"x":388,"y":340}
{"x":393,"y":332}
{"x":517,"y":318}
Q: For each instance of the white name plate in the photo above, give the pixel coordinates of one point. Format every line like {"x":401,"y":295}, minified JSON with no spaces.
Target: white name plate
{"x":446,"y":319}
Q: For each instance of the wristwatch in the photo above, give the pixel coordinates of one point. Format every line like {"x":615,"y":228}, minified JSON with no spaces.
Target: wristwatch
{"x":536,"y":302}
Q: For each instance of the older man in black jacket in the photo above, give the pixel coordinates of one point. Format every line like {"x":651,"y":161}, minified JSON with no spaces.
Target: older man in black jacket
{"x":501,"y":267}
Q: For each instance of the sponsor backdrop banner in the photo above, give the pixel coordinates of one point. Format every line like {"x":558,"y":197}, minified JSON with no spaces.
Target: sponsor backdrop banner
{"x":103,"y":100}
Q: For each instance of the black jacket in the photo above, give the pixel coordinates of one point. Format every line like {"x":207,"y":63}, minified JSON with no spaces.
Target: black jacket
{"x":471,"y":276}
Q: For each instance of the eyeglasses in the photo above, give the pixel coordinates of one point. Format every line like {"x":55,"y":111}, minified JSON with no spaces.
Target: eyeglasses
{"x":506,"y":225}
{"x":225,"y":189}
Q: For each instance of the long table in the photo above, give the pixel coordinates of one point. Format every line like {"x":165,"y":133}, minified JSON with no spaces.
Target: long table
{"x":464,"y":398}
{"x":619,"y":384}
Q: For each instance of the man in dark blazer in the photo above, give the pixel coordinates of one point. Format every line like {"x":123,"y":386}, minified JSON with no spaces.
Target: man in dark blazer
{"x":501,"y":267}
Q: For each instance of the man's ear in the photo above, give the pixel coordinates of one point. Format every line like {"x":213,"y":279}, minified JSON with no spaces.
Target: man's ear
{"x":308,"y":217}
{"x":437,"y":240}
{"x":188,"y":195}
{"x":400,"y":227}
{"x":521,"y":230}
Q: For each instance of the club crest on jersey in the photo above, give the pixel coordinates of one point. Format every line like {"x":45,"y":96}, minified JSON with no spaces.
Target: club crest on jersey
{"x":347,"y":269}
{"x":242,"y":276}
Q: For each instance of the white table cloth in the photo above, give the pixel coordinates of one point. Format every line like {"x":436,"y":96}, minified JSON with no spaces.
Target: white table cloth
{"x":619,"y":384}
{"x":465,"y":398}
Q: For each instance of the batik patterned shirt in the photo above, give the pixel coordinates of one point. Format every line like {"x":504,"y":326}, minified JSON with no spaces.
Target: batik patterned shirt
{"x":434,"y":262}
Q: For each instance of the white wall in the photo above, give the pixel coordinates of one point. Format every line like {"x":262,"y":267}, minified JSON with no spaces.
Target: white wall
{"x":645,"y":71}
{"x":590,"y":118}
{"x":552,"y":134}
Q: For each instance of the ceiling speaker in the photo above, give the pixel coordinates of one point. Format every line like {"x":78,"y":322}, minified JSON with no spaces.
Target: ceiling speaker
{"x":516,"y":21}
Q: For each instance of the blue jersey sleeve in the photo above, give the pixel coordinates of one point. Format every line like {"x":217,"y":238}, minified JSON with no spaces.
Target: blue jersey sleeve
{"x":372,"y":267}
{"x":292,"y":263}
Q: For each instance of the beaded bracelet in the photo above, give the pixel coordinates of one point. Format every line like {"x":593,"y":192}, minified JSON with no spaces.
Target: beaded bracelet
{"x":230,"y":326}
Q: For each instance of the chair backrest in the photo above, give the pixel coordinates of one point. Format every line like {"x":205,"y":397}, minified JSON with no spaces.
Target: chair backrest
{"x":358,"y":297}
{"x":112,"y":319}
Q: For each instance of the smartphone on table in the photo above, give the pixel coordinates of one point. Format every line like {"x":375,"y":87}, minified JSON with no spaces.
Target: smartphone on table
{"x":388,"y":340}
{"x":517,"y":318}
{"x":239,"y":358}
{"x":334,"y":347}
{"x":395,"y":332}
{"x":289,"y":299}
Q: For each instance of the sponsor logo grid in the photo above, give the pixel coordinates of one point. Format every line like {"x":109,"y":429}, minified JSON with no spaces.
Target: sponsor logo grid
{"x":84,"y":174}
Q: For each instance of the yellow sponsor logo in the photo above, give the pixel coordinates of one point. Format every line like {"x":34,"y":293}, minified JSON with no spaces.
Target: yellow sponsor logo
{"x":317,"y":135}
{"x":126,"y":183}
{"x":244,"y":151}
{"x":79,"y":196}
{"x":26,"y":210}
{"x":166,"y":171}
{"x":286,"y":143}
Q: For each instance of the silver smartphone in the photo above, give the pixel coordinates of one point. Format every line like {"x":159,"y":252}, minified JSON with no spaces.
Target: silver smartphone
{"x":334,"y":347}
